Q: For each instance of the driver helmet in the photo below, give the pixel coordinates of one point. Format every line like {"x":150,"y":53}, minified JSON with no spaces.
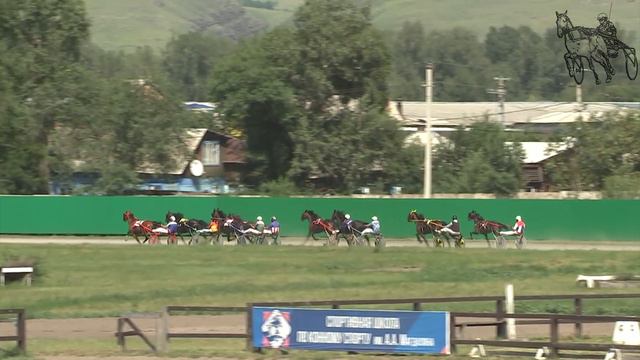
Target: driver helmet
{"x":454,"y":218}
{"x":347,"y":216}
{"x":273,"y":218}
{"x":172,"y":218}
{"x":518,"y":218}
{"x":374,"y":218}
{"x":259,"y":218}
{"x":602,"y":17}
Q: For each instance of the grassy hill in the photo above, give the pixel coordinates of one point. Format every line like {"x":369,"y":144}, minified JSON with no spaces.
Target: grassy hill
{"x":123,"y":24}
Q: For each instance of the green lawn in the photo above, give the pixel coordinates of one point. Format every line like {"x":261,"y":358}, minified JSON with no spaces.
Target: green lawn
{"x":86,"y":280}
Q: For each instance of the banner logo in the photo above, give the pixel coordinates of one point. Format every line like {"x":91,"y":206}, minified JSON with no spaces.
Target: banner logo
{"x":276,"y":329}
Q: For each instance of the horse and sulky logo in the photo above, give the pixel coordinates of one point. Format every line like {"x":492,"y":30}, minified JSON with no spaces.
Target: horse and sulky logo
{"x":588,"y":45}
{"x":276,"y":329}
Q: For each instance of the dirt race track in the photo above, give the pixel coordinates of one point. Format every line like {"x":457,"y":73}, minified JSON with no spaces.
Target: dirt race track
{"x":104,"y":328}
{"x":299,"y":241}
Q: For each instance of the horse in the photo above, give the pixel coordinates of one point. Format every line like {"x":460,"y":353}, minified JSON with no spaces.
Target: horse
{"x":317,"y":225}
{"x":186,"y":226}
{"x":139,"y":227}
{"x":428,"y":226}
{"x":485,"y":227}
{"x":338,"y":217}
{"x":236,"y":227}
{"x":218,"y":218}
{"x":582,"y":43}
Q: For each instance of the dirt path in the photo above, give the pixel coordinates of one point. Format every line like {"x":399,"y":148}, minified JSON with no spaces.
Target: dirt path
{"x":105,"y":328}
{"x":299,"y":241}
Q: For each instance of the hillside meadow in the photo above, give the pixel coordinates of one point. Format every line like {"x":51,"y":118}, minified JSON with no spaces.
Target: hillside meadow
{"x":124,"y":25}
{"x":109,"y":280}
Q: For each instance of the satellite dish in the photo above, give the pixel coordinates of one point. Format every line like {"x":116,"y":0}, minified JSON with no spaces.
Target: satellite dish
{"x":196,"y":168}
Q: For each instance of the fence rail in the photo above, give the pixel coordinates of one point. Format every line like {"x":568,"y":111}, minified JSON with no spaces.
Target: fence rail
{"x":497,"y":318}
{"x":554,"y":320}
{"x":21,"y":330}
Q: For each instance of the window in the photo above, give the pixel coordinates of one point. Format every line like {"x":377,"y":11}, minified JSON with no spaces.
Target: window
{"x":210,"y":153}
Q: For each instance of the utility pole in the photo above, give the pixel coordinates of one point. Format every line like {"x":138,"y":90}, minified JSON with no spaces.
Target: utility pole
{"x":501,"y":91}
{"x":427,"y":129}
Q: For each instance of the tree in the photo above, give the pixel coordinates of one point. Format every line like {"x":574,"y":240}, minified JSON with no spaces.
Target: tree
{"x":478,"y":160}
{"x":293,"y":93}
{"x":408,"y":49}
{"x":20,"y":155}
{"x":42,"y":43}
{"x":341,"y":54}
{"x":461,"y":67}
{"x":347,"y":149}
{"x":254,"y":95}
{"x":601,"y":153}
{"x":189,"y":59}
{"x":143,"y":132}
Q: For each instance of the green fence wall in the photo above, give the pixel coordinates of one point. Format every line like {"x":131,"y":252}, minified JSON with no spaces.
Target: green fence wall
{"x":102,"y":215}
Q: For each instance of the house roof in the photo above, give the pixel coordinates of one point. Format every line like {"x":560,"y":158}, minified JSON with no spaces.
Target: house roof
{"x":233,"y":152}
{"x":200,"y":106}
{"x":537,"y":151}
{"x":420,"y":137}
{"x":413,"y":113}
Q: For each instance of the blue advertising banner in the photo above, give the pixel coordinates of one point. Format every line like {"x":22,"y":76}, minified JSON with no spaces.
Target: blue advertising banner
{"x":425,"y":332}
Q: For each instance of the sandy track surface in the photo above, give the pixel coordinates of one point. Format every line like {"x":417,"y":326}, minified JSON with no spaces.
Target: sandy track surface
{"x":299,"y":241}
{"x":105,"y":328}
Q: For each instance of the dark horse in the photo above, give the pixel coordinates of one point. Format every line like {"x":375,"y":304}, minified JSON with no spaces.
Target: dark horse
{"x":347,"y":233}
{"x":231,"y":226}
{"x":317,"y":225}
{"x":428,"y":226}
{"x":186,"y":226}
{"x":139,"y":227}
{"x":485,"y":227}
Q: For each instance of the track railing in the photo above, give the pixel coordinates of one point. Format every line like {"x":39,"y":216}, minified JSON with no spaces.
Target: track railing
{"x":21,"y":330}
{"x":500,"y":315}
{"x":553,"y":344}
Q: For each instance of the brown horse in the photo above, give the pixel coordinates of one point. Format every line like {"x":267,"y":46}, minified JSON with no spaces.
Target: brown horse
{"x":485,"y":227}
{"x":318,"y":225}
{"x":139,"y":227}
{"x":428,"y":226}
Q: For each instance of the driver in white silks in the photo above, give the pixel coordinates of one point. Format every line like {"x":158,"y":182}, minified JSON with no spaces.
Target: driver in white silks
{"x":373,"y":227}
{"x":518,"y":227}
{"x":452,"y":228}
{"x":258,"y":228}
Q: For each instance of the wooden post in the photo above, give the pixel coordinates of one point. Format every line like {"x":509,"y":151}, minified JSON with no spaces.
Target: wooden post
{"x":501,"y":328}
{"x":162,"y":330}
{"x":22,"y":331}
{"x":335,"y":306}
{"x":577,"y":303}
{"x":249,"y":328}
{"x":121,"y":337}
{"x":417,"y":306}
{"x":511,"y":322}
{"x":452,"y":333}
{"x":553,"y":346}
